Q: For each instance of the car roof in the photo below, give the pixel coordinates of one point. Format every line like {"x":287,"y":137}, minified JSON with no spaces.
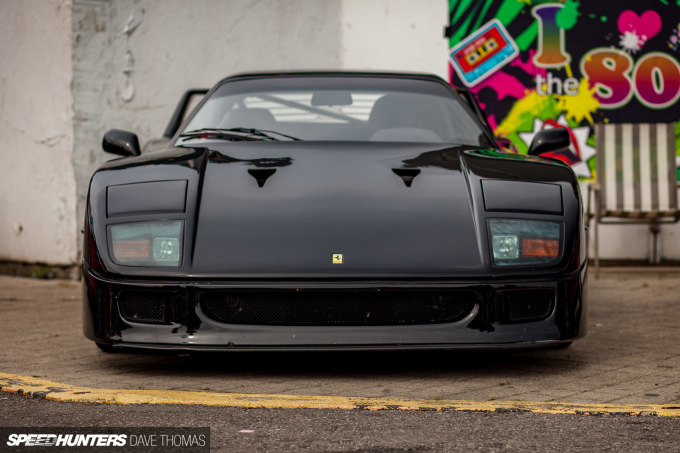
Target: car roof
{"x":329,"y":73}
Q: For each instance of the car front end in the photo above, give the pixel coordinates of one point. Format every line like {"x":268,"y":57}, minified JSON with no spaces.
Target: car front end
{"x":388,"y":240}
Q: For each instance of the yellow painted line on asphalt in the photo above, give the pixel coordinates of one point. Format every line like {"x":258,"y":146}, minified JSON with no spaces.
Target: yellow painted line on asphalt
{"x":55,"y":391}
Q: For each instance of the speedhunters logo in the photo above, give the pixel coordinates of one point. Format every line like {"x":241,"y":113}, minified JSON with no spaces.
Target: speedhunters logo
{"x":67,"y":440}
{"x":107,"y":439}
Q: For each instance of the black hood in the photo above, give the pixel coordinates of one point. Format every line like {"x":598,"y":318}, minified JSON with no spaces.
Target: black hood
{"x":287,"y":208}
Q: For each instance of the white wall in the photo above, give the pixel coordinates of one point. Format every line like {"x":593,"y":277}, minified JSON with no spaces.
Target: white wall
{"x":37,"y":186}
{"x":401,"y":35}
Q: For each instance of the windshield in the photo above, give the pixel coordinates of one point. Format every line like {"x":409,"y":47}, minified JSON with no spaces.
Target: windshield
{"x":338,"y":108}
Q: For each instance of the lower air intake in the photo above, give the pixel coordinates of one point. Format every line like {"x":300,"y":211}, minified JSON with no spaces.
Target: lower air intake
{"x":342,"y":308}
{"x":144,"y":307}
{"x":525,"y":305}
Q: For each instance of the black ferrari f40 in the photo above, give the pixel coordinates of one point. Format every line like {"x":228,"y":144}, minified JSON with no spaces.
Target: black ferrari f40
{"x":333,"y":210}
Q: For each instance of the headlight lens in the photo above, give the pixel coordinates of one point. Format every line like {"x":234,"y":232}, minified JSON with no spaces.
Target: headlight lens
{"x":524,"y":242}
{"x":156,"y":243}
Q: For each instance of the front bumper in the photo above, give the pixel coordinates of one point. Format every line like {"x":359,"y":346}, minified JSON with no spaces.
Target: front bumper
{"x":183,"y":323}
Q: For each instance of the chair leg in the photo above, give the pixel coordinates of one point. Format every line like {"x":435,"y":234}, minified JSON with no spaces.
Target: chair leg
{"x":596,"y":232}
{"x":597,"y":247}
{"x":655,"y":257}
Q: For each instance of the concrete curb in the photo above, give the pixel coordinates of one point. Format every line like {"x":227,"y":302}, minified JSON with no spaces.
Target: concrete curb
{"x":55,"y":391}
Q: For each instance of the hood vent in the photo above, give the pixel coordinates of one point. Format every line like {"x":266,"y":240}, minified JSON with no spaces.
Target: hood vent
{"x":261,"y":174}
{"x":406,"y":174}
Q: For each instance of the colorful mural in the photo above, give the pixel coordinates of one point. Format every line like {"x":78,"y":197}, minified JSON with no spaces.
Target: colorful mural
{"x":536,"y":64}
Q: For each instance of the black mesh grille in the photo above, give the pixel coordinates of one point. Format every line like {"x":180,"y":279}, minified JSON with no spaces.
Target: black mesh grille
{"x":526,"y":305}
{"x":341,"y":308}
{"x":144,"y":307}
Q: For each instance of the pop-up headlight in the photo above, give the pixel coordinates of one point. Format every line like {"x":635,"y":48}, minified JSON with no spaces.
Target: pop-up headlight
{"x":524,"y":242}
{"x":156,"y":243}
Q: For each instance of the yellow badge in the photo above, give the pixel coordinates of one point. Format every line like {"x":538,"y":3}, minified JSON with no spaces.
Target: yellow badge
{"x":337,"y":258}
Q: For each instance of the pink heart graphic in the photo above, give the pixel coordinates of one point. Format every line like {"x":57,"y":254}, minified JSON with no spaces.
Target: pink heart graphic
{"x":644,"y":26}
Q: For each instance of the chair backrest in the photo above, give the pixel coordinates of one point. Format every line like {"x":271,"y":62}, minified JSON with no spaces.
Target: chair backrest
{"x":636,"y":169}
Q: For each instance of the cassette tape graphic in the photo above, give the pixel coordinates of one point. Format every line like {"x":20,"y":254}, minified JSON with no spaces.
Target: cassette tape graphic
{"x":482,"y":53}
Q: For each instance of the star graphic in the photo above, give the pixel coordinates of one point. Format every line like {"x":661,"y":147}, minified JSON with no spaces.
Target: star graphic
{"x":580,"y":133}
{"x":631,"y":42}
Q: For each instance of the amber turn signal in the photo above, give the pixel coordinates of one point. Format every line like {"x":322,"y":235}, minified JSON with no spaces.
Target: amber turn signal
{"x":547,"y":248}
{"x":132,"y":249}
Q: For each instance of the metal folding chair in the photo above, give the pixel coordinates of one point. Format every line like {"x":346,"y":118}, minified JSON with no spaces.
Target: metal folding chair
{"x":636,"y":179}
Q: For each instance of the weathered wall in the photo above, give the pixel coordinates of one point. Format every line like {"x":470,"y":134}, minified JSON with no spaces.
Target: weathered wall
{"x":37,"y":187}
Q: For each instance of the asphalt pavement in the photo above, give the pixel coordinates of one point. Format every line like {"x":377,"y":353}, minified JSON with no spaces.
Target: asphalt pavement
{"x":237,"y":429}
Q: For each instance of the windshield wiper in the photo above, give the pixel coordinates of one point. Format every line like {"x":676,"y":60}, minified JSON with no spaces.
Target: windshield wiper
{"x":235,"y":133}
{"x":262,"y":133}
{"x":223,"y":133}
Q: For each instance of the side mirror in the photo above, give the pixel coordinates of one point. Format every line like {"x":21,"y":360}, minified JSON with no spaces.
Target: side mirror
{"x":549,"y":141}
{"x":122,"y":143}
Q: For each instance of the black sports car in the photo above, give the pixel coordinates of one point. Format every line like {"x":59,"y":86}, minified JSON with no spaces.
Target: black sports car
{"x":333,"y":210}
